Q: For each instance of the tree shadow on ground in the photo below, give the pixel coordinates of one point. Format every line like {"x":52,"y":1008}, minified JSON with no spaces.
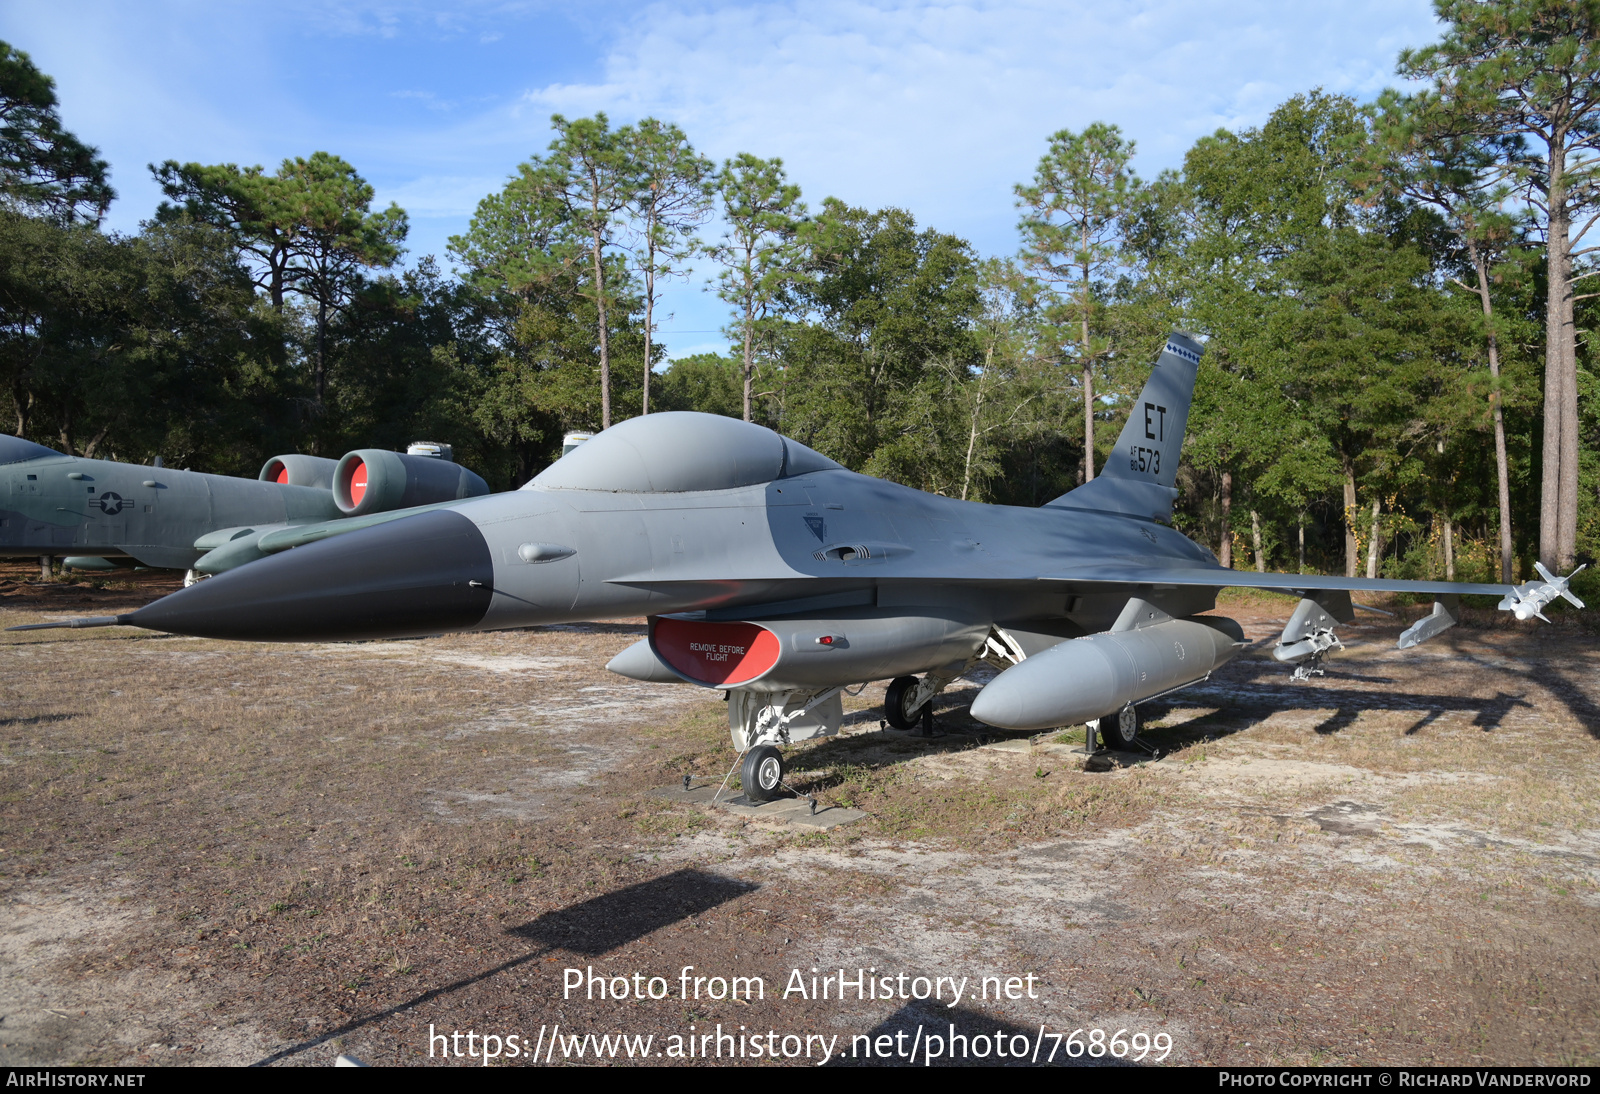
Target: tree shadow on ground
{"x":1242,"y":695}
{"x":614,"y":919}
{"x":593,"y":927}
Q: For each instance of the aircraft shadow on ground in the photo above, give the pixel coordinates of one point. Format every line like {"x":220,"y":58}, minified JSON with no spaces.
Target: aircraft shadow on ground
{"x":1240,"y":697}
{"x":959,"y":1037}
{"x":626,"y":915}
{"x":593,"y":927}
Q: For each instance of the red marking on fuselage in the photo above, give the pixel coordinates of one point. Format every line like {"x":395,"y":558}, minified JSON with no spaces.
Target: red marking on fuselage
{"x":716,"y":654}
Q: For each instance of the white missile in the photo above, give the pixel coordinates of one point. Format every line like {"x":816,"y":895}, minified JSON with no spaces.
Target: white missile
{"x":1527,"y":601}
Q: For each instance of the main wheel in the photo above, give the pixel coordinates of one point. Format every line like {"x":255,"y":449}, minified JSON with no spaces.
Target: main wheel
{"x":1119,"y":730}
{"x":762,"y":773}
{"x":897,"y":703}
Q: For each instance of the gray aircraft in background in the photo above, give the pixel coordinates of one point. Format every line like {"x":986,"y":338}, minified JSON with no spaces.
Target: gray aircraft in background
{"x":770,"y":572}
{"x":104,"y":515}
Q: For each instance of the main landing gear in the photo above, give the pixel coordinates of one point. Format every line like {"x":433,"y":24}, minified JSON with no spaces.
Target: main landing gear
{"x":1119,"y":731}
{"x":903,"y":703}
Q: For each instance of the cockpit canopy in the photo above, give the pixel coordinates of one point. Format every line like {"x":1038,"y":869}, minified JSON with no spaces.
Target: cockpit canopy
{"x":677,"y":452}
{"x":16,"y":450}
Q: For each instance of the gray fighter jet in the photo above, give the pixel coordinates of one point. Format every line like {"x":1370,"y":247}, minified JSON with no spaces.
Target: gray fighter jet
{"x":772,"y":573}
{"x":100,"y":514}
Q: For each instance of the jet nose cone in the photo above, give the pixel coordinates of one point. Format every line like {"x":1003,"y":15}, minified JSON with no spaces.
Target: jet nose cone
{"x":415,"y":576}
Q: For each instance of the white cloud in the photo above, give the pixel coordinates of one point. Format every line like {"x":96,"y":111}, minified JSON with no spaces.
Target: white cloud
{"x":454,"y":196}
{"x":939,"y":107}
{"x":942,"y":107}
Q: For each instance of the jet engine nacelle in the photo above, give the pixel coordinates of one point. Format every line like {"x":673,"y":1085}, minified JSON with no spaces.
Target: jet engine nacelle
{"x":298,"y":470}
{"x":372,"y":480}
{"x":1082,"y":679}
{"x":799,"y":654}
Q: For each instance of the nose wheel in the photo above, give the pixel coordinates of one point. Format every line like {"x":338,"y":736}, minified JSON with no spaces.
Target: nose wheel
{"x":762,"y":773}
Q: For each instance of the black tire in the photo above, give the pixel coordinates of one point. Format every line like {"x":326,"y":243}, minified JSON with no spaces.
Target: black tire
{"x":1118,"y":731}
{"x":762,"y":773}
{"x":895,"y":701}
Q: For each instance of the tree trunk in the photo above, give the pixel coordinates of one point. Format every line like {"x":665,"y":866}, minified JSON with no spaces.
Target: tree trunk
{"x":1501,"y":464}
{"x":322,"y":347}
{"x":649,"y":312}
{"x":1225,"y":552}
{"x":46,"y":567}
{"x":1352,"y":548}
{"x":1567,"y":539}
{"x":1088,"y":376}
{"x":1374,"y":548}
{"x":1301,"y":535}
{"x":1558,"y":487}
{"x":749,"y":364}
{"x":1449,"y":549}
{"x":1088,"y":423}
{"x":1255,"y":541}
{"x":977,"y":410}
{"x":600,"y":307}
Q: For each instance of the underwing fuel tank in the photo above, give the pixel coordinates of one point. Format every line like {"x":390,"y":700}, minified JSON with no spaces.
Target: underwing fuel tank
{"x":788,"y":654}
{"x":1081,"y":679}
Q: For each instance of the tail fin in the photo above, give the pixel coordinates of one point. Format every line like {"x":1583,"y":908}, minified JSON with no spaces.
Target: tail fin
{"x":1139,"y":479}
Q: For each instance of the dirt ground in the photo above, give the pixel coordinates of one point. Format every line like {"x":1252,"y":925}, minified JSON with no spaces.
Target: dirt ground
{"x":237,"y":853}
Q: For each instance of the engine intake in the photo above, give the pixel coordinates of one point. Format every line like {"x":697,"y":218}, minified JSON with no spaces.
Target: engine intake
{"x":372,"y":480}
{"x":298,"y":470}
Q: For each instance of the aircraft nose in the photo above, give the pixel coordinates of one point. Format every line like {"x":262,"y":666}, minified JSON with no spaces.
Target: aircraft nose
{"x":415,"y":576}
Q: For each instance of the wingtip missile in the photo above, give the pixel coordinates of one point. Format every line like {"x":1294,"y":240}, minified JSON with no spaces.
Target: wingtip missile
{"x":1527,"y":601}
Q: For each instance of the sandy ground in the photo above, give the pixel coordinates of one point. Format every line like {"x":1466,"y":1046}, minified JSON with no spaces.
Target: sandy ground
{"x":240,"y":853}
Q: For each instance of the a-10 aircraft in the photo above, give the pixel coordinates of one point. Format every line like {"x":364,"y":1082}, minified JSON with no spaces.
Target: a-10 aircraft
{"x":769,"y":571}
{"x":102,"y":515}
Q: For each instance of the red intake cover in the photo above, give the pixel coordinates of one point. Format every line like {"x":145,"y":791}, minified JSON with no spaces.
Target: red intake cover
{"x":717,"y":654}
{"x":358,"y":482}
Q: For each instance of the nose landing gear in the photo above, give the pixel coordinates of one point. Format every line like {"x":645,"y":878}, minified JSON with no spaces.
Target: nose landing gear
{"x":762,"y":773}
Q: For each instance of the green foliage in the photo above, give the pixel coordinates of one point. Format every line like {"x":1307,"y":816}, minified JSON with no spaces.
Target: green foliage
{"x":673,"y":189}
{"x":704,"y":382}
{"x":763,"y":212}
{"x":44,"y":170}
{"x":874,"y":377}
{"x":1358,"y":274}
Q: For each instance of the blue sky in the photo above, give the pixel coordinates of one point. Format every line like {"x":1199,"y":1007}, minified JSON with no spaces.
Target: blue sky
{"x":939,"y":108}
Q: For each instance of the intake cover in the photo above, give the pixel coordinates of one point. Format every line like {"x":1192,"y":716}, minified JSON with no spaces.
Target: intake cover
{"x":715,"y":654}
{"x":298,"y":470}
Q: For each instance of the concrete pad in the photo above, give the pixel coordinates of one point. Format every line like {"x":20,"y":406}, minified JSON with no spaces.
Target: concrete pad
{"x":796,"y":811}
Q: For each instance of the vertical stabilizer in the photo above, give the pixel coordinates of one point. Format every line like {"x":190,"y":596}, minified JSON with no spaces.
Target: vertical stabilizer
{"x":1141,"y":475}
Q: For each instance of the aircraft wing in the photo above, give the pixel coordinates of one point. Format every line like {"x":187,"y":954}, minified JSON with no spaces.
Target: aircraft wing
{"x":1107,"y":573}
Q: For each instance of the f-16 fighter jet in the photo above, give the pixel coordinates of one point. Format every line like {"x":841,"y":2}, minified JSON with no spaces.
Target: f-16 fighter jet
{"x":102,"y":515}
{"x":770,"y":572}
